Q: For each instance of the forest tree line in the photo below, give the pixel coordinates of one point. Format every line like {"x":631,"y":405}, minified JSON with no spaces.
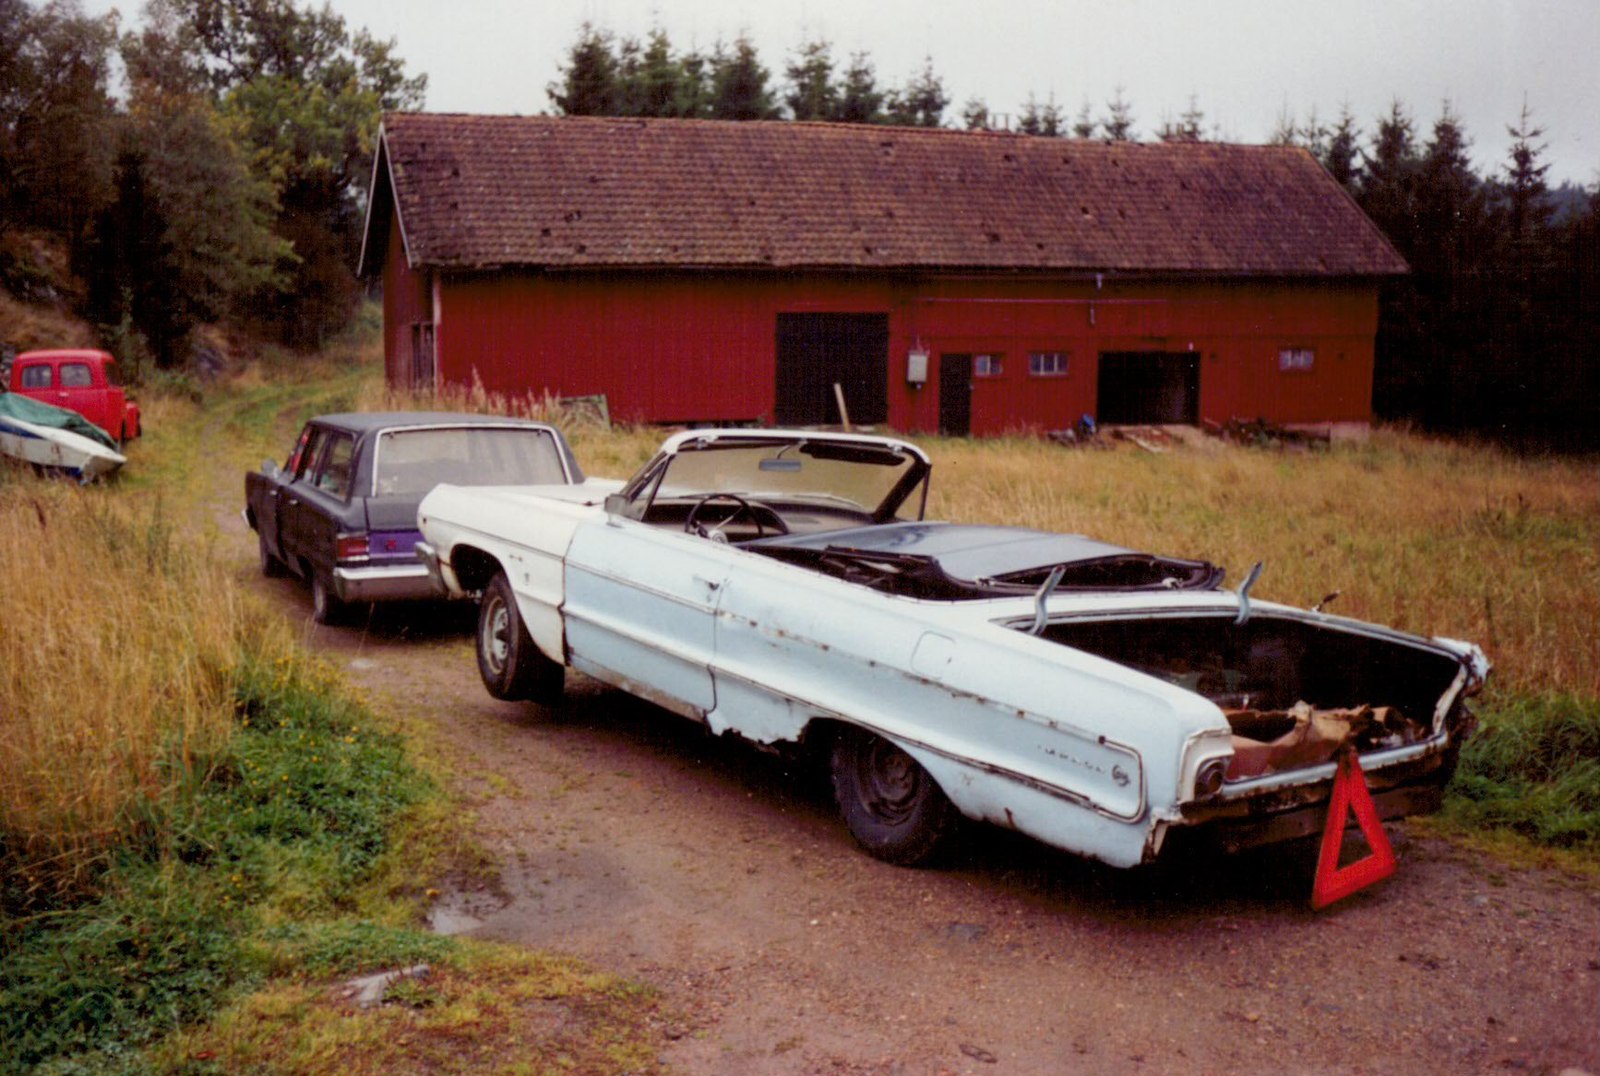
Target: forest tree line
{"x":223,"y":184}
{"x":225,"y":178}
{"x":1495,"y":330}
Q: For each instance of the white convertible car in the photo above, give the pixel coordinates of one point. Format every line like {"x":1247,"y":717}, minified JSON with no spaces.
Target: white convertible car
{"x":781,"y":586}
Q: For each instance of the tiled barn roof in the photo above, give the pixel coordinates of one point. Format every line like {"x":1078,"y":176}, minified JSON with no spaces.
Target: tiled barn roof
{"x":480,"y":192}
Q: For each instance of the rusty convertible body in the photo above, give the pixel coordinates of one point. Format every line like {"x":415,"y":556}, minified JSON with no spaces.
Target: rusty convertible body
{"x":783,"y":586}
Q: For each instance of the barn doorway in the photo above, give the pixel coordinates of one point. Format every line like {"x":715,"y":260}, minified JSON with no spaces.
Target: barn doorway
{"x":1149,"y":388}
{"x":816,"y":351}
{"x":955,"y":395}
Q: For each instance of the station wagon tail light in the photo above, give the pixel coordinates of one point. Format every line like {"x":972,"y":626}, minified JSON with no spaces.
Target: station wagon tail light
{"x":352,"y":547}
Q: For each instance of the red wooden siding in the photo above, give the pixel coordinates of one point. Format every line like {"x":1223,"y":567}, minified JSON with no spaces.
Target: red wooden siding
{"x":673,"y":347}
{"x":406,"y":304}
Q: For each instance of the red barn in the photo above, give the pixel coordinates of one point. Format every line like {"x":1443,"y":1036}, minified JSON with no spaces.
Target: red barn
{"x":696,"y":271}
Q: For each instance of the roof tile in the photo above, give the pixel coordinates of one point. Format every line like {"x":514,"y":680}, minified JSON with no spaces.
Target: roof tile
{"x":478,"y":192}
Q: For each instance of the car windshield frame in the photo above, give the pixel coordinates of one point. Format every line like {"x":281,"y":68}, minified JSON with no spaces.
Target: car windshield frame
{"x":875,"y":477}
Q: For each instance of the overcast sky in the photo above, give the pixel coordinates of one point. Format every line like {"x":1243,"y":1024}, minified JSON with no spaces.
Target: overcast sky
{"x":1245,"y":62}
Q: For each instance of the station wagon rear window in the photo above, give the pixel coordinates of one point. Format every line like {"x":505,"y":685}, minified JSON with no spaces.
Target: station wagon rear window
{"x":414,"y":461}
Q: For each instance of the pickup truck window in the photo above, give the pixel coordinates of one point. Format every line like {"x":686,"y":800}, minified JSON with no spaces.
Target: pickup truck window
{"x":76,"y":375}
{"x":36,"y":377}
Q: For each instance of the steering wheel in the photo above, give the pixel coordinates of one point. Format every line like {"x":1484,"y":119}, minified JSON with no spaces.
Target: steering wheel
{"x":742,"y":507}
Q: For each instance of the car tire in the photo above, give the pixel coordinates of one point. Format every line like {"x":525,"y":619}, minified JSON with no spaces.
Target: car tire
{"x":326,"y":608}
{"x":511,"y":665}
{"x":891,"y":805}
{"x":271,"y":566}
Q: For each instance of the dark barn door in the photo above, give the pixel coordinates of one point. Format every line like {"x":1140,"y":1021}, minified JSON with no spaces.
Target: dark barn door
{"x":817,"y":350}
{"x":955,"y":395}
{"x":1149,"y":387}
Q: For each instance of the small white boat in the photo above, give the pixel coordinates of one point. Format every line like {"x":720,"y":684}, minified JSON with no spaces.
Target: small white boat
{"x":49,"y":446}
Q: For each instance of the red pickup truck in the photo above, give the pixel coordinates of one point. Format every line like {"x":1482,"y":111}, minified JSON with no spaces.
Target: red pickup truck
{"x":82,"y":381}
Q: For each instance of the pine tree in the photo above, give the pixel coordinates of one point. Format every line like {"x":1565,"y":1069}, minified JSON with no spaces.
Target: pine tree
{"x":1188,"y":128}
{"x":922,"y":102}
{"x":975,"y":115}
{"x":589,"y":81}
{"x":1083,"y":126}
{"x":860,"y":100}
{"x":1045,"y":119}
{"x":739,"y":89}
{"x":1344,"y":146}
{"x":812,"y":94}
{"x":1117,"y":124}
{"x":1525,"y":192}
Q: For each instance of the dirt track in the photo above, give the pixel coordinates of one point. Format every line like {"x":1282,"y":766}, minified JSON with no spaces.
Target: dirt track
{"x":627,"y":837}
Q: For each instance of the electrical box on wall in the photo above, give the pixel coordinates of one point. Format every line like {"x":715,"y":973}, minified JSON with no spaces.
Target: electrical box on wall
{"x":917,"y":367}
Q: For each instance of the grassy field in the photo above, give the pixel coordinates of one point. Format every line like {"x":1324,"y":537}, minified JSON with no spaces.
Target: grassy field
{"x":200,"y":827}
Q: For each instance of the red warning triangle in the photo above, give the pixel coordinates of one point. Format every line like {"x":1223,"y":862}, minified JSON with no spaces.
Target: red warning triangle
{"x":1350,"y":793}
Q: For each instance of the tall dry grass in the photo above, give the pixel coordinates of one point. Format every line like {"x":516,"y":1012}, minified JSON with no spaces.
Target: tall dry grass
{"x":1433,"y":537}
{"x":603,"y":449}
{"x":118,"y":635}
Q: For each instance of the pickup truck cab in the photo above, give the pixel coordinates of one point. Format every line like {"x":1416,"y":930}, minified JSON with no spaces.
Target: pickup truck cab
{"x":79,"y":380}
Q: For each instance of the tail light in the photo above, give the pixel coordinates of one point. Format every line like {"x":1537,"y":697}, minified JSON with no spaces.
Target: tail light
{"x":1208,"y":779}
{"x":352,"y":547}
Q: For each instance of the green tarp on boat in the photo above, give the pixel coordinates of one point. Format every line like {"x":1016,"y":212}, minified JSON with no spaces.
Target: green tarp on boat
{"x":25,"y":409}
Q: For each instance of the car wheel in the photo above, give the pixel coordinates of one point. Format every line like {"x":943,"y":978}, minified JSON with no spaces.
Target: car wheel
{"x":326,"y":608}
{"x":891,"y":805}
{"x":511,"y":666}
{"x":271,"y":566}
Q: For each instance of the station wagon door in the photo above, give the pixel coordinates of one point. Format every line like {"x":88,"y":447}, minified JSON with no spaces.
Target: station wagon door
{"x":640,"y":611}
{"x":313,"y":504}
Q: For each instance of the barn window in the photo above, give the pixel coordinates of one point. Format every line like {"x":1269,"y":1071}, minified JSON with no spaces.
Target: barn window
{"x":1047,"y":364}
{"x":986,"y":365}
{"x":1296,"y":359}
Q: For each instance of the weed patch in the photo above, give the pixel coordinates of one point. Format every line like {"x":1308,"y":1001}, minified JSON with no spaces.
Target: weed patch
{"x":1534,"y":769}
{"x":292,"y":813}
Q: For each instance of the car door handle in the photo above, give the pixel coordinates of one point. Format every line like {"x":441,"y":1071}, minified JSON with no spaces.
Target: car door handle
{"x":709,"y":584}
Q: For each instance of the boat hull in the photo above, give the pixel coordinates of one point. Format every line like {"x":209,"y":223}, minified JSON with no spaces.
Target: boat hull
{"x":45,"y":446}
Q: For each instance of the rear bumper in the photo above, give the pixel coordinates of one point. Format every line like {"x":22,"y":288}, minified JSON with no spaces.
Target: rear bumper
{"x":1294,"y":813}
{"x":386,"y":583}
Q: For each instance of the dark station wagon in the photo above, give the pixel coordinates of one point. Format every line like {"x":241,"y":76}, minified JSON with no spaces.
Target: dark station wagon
{"x":341,"y":513}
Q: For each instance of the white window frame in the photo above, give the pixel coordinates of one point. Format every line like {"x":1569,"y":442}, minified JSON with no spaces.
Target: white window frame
{"x":988,"y":365}
{"x":1296,"y":360}
{"x":1058,"y":363}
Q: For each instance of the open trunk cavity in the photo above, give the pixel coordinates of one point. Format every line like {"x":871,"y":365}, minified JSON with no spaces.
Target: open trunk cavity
{"x":1293,"y":692}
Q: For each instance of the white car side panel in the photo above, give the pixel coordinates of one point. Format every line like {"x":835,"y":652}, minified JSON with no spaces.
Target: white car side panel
{"x":527,"y":530}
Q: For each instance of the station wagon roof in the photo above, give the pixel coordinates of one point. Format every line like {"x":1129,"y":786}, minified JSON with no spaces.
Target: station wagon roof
{"x":368,"y":421}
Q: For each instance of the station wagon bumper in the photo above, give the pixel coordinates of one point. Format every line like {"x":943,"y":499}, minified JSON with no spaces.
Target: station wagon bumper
{"x":387,"y":582}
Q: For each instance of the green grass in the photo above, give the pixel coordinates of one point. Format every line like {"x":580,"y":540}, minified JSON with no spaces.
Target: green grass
{"x":282,"y":824}
{"x":1533,"y":769}
{"x":249,"y":845}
